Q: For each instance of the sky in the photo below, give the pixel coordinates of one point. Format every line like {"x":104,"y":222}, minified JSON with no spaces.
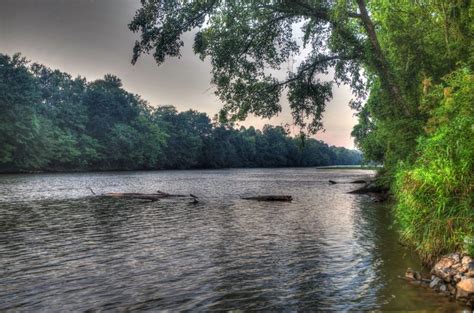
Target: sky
{"x":91,"y":38}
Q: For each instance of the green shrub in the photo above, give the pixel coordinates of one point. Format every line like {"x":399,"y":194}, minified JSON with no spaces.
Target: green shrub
{"x":435,"y":207}
{"x":469,"y":245}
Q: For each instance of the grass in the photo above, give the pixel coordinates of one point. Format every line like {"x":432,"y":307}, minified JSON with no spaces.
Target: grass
{"x":435,"y":207}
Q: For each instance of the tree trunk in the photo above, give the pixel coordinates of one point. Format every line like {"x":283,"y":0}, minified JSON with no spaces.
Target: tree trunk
{"x":381,"y":63}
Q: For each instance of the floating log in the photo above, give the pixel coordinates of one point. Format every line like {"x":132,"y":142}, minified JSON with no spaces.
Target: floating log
{"x":169,"y":195}
{"x":359,"y":181}
{"x":130,"y":195}
{"x":369,"y":188}
{"x":269,"y":198}
{"x":378,"y":193}
{"x":146,"y":196}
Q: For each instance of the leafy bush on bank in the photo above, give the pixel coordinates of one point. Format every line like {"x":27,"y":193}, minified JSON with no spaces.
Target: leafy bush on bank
{"x":435,"y":195}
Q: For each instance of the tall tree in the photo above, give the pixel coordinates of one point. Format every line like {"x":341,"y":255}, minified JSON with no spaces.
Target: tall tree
{"x":20,"y":127}
{"x":247,"y":41}
{"x":423,"y":41}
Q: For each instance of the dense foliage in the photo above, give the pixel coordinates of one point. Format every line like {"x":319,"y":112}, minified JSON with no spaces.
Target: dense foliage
{"x":428,"y":154}
{"x":436,"y":193}
{"x":51,"y":121}
{"x":423,"y":41}
{"x":393,"y":53}
{"x":248,"y":42}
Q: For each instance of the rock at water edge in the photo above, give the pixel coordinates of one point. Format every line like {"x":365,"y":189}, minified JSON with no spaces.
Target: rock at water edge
{"x":465,"y":289}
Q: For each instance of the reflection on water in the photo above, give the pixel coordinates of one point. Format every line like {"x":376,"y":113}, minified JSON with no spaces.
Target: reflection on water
{"x":65,"y":250}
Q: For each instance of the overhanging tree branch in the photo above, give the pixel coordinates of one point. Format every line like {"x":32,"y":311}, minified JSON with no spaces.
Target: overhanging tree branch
{"x":312,"y":67}
{"x":382,"y":64}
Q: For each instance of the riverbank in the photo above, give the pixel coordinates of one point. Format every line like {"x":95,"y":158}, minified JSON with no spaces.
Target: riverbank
{"x":452,"y":276}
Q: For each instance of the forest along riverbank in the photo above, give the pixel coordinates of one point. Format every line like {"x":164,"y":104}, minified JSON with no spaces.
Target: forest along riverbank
{"x":65,"y":250}
{"x":114,"y":129}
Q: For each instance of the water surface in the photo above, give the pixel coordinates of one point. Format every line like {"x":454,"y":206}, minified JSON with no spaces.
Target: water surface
{"x":62,"y":249}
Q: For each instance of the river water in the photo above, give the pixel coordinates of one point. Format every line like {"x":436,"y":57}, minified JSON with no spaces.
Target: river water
{"x":65,"y":250}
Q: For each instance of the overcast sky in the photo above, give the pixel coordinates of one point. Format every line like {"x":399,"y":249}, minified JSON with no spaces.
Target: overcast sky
{"x":91,"y":38}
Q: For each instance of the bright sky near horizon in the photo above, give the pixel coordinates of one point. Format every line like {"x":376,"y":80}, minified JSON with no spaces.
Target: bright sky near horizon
{"x":91,"y":38}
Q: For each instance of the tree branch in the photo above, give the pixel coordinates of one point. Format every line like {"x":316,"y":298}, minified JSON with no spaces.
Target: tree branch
{"x":256,"y":32}
{"x":312,"y":67}
{"x":319,"y":13}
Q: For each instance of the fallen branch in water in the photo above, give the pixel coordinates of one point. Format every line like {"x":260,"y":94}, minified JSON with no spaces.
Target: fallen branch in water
{"x":145,"y":196}
{"x":269,"y":198}
{"x":377,"y":192}
{"x":130,"y":195}
{"x":169,"y":195}
{"x":91,"y":190}
{"x":359,"y":181}
{"x":369,"y":188}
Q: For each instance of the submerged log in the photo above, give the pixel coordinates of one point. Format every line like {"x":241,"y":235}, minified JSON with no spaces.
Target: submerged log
{"x":131,"y":195}
{"x":147,"y":196}
{"x":269,"y":198}
{"x":377,"y":192}
{"x":369,"y":188}
{"x":358,"y":181}
{"x":169,"y":195}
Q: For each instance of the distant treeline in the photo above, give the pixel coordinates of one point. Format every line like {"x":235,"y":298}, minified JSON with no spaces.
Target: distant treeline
{"x":53,"y":122}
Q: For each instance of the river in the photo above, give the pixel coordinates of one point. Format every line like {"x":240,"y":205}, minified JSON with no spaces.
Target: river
{"x":65,"y":250}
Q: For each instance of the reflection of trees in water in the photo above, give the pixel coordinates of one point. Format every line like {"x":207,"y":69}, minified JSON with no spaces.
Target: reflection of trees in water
{"x":110,"y":218}
{"x":386,"y":259}
{"x":15,"y":221}
{"x":40,"y":223}
{"x":377,"y":244}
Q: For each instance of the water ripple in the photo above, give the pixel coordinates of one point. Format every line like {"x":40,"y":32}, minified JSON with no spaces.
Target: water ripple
{"x":63,"y":250}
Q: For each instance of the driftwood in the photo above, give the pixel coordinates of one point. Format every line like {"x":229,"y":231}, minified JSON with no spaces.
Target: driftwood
{"x":378,"y":193}
{"x":169,"y":195}
{"x":369,"y":188}
{"x":269,"y":198}
{"x":132,"y":195}
{"x":359,"y":181}
{"x":145,"y":196}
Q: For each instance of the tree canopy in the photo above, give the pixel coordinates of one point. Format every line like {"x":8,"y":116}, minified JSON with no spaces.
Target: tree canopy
{"x":247,"y":41}
{"x":51,"y":121}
